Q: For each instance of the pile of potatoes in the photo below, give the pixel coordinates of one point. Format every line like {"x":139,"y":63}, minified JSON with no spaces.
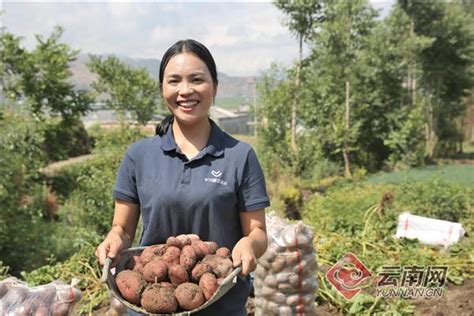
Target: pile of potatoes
{"x":180,"y":275}
{"x":285,"y":278}
{"x":53,"y":299}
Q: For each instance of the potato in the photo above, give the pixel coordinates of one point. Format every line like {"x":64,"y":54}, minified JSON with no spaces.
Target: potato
{"x":267,"y":291}
{"x":130,"y":284}
{"x":134,"y":263}
{"x":224,"y":268}
{"x":157,"y":299}
{"x":189,"y":296}
{"x":61,"y":308}
{"x":173,"y":241}
{"x":286,"y":288}
{"x":286,"y":311}
{"x":223,"y":252}
{"x":220,"y":266}
{"x":212,"y":246}
{"x":271,"y":280}
{"x":279,"y":264}
{"x":208,"y":284}
{"x":201,"y":249}
{"x":198,"y":270}
{"x":193,"y":237}
{"x":171,"y":256}
{"x":42,"y":311}
{"x":187,"y":257}
{"x":178,"y":274}
{"x":138,"y":268}
{"x":279,"y":298}
{"x":155,"y":271}
{"x":212,"y":261}
{"x":185,"y":240}
{"x":167,"y":284}
{"x":149,"y":252}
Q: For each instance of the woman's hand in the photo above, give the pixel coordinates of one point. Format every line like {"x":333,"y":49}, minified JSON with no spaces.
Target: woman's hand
{"x":115,"y":241}
{"x":253,"y":244}
{"x":122,"y":232}
{"x":243,"y":254}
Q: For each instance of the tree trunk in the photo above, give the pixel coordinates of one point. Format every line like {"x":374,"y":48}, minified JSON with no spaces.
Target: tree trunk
{"x":412,"y":71}
{"x":345,"y":149}
{"x":294,"y":146}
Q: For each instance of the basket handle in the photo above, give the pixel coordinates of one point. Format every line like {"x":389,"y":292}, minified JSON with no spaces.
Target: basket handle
{"x":105,"y":269}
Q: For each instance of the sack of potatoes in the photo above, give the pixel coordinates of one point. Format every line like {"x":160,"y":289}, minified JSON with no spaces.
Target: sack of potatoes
{"x":184,"y":275}
{"x":285,"y":278}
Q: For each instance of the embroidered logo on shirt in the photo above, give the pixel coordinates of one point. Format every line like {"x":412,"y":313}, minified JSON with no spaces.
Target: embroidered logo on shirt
{"x":216,"y":174}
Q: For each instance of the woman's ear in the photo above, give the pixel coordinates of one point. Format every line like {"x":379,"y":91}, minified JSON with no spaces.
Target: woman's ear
{"x":215,"y":91}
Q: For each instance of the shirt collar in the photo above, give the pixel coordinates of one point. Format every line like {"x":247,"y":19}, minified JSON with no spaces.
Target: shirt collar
{"x":214,"y":147}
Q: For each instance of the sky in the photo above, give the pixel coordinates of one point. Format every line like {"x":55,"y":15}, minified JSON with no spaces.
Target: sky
{"x":244,"y":37}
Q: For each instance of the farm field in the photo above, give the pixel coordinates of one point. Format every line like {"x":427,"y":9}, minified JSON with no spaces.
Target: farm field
{"x":458,"y":173}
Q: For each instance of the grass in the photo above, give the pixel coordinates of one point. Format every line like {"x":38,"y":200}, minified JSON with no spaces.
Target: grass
{"x":461,"y":174}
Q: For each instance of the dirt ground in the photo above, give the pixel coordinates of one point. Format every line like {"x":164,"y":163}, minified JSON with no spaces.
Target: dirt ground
{"x":458,"y":300}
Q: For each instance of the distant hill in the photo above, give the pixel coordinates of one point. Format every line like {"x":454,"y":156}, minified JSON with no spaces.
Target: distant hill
{"x":232,"y":91}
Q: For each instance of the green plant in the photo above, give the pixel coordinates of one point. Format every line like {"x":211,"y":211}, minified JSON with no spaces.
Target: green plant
{"x":65,"y":138}
{"x":82,"y":266}
{"x":114,"y":139}
{"x":362,"y":218}
{"x":90,"y":204}
{"x":435,"y":198}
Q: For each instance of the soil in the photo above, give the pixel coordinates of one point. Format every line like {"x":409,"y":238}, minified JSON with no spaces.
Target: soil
{"x":457,"y":300}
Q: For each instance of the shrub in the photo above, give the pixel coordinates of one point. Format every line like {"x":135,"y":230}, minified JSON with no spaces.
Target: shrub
{"x":324,"y":169}
{"x":22,"y":191}
{"x":90,"y":204}
{"x":111,"y":139}
{"x":435,"y":198}
{"x":65,"y":139}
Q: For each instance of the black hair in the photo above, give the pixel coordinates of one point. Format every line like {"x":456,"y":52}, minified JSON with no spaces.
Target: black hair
{"x":184,"y":46}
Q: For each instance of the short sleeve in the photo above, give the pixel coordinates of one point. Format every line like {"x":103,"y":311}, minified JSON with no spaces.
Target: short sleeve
{"x":252,"y":193}
{"x":126,"y":185}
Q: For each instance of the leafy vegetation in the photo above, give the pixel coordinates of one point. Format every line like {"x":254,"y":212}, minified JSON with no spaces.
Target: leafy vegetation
{"x":129,"y":89}
{"x":41,"y":76}
{"x":372,"y":93}
{"x":460,"y":174}
{"x":362,"y":218}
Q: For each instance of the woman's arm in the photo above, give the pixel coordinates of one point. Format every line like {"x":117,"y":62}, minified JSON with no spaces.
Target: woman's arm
{"x":254,"y":243}
{"x":122,"y":233}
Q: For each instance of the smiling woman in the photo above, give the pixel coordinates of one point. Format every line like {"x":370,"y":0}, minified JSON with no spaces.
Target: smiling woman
{"x":192,"y":178}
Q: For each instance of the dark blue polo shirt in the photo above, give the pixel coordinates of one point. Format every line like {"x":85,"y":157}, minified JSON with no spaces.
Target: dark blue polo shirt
{"x":200,"y":196}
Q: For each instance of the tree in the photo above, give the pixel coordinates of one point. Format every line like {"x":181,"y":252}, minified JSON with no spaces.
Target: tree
{"x":393,"y":124}
{"x":129,"y":89}
{"x":303,"y":16}
{"x":41,"y":76}
{"x":336,"y":63}
{"x":447,"y":68}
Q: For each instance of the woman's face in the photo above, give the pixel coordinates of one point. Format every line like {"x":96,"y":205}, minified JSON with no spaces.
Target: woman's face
{"x":188,"y":88}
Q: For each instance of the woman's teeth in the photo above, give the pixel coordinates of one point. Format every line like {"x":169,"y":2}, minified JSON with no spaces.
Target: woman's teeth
{"x":188,"y":103}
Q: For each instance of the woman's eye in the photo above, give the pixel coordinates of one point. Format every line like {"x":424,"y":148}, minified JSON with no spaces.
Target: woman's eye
{"x":197,"y":80}
{"x":172,"y":81}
